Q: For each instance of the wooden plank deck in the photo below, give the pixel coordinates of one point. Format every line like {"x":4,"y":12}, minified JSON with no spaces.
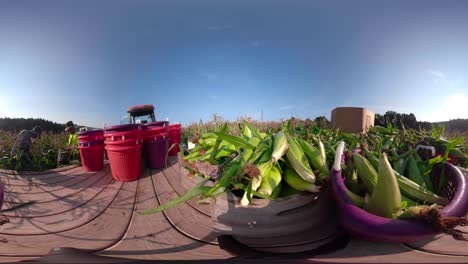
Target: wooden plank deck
{"x":83,"y":217}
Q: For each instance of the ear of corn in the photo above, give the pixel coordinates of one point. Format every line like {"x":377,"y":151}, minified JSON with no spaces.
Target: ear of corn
{"x":322,"y":152}
{"x":366,"y":171}
{"x":287,"y":190}
{"x":351,"y":181}
{"x":224,"y":151}
{"x":418,"y":193}
{"x":315,"y":158}
{"x":277,"y":191}
{"x":409,"y":201}
{"x":254,"y":141}
{"x":253,"y":131}
{"x":356,"y":199}
{"x":264,"y":148}
{"x":374,"y":160}
{"x":385,"y":200}
{"x":280,"y":146}
{"x":416,"y":211}
{"x":413,"y":171}
{"x":298,"y":161}
{"x":270,"y":182}
{"x":297,"y":183}
{"x":256,"y":181}
{"x":338,"y":155}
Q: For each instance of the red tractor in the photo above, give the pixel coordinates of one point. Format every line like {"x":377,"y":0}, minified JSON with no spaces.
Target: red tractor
{"x":141,"y":110}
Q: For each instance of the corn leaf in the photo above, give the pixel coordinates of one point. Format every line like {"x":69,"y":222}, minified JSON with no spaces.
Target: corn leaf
{"x":194,"y":192}
{"x":216,"y":146}
{"x":236,"y":141}
{"x":252,"y":129}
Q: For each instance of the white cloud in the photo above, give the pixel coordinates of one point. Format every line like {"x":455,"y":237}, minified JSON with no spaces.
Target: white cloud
{"x":437,"y":74}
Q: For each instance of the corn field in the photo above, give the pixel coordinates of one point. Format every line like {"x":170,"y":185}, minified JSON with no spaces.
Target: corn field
{"x":44,"y":152}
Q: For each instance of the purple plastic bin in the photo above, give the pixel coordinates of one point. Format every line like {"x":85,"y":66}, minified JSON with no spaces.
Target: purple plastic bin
{"x":372,"y":227}
{"x":155,"y":153}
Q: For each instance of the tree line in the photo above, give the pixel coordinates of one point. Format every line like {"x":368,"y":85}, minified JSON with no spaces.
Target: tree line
{"x":18,"y":124}
{"x":409,"y":121}
{"x":390,"y":117}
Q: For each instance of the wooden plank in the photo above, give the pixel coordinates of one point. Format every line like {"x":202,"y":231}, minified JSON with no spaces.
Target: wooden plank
{"x":62,"y":204}
{"x":60,"y":169}
{"x":35,"y":188}
{"x":443,"y":244}
{"x":100,"y":233}
{"x":153,"y":236}
{"x":17,"y":259}
{"x":184,"y":218}
{"x":63,"y":221}
{"x":90,"y":179}
{"x":175,"y":179}
{"x":361,"y":251}
{"x":21,"y":180}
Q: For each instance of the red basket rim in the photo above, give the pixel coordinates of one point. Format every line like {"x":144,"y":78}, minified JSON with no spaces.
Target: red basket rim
{"x":122,"y":148}
{"x":123,"y":142}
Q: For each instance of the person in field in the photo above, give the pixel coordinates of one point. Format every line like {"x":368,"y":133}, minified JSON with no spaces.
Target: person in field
{"x":23,"y":144}
{"x":72,"y":145}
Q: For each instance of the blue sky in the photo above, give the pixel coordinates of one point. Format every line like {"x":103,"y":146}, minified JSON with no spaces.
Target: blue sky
{"x":88,"y":61}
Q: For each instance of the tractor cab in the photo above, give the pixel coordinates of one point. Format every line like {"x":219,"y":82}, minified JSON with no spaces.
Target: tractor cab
{"x":141,"y":114}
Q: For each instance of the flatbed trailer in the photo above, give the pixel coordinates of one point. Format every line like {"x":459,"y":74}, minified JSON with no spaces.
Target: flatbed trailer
{"x":87,"y":217}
